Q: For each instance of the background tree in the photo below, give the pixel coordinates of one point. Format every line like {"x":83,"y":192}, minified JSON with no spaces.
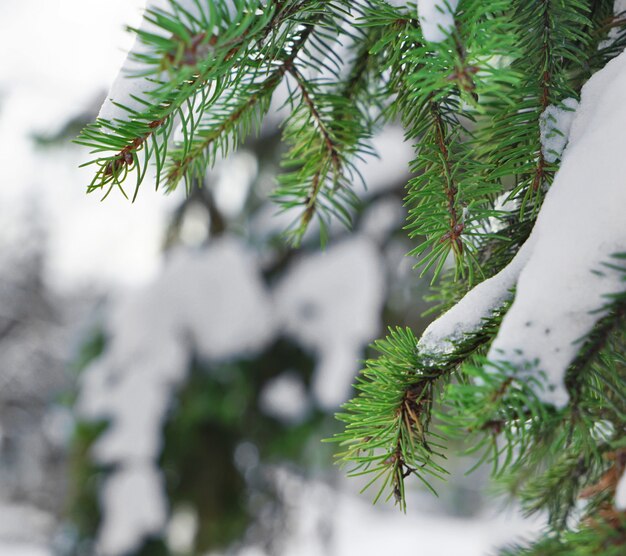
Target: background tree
{"x":523,"y":235}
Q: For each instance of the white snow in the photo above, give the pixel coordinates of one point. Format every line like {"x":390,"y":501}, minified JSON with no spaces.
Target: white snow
{"x":285,"y":398}
{"x":27,"y":526}
{"x":504,"y":205}
{"x":19,"y":549}
{"x":391,"y":165}
{"x":436,"y":18}
{"x":235,"y":176}
{"x":214,"y":303}
{"x":360,"y":529}
{"x":135,"y":508}
{"x":467,"y":315}
{"x":331,"y":303}
{"x":579,"y":227}
{"x":619,"y":7}
{"x":134,"y":434}
{"x":182,"y":529}
{"x":602,"y":431}
{"x":46,"y":189}
{"x":382,"y":218}
{"x":127,"y":85}
{"x":555,"y":124}
{"x":620,"y":493}
{"x":211,"y":302}
{"x":215,"y":298}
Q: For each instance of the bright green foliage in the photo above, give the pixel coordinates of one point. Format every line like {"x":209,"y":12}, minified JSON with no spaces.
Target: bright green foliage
{"x":548,"y":459}
{"x":553,"y":42}
{"x":438,"y":87}
{"x":214,"y":77}
{"x":386,"y":426}
{"x":471,"y":105}
{"x":326,"y":133}
{"x":193,"y":82}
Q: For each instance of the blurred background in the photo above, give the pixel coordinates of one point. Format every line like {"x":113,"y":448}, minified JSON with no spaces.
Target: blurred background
{"x":168,"y":368}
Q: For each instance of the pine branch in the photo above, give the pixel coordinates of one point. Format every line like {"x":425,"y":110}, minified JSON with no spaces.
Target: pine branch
{"x":331,"y":157}
{"x":472,"y":105}
{"x":548,"y":458}
{"x":490,"y":402}
{"x":200,"y":66}
{"x":386,"y":433}
{"x":327,"y":133}
{"x":607,"y":39}
{"x":551,"y":40}
{"x":438,"y":87}
{"x":231,"y":119}
{"x":218,"y":88}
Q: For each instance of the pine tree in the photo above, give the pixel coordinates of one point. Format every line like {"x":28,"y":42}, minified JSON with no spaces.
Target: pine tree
{"x":524,"y":241}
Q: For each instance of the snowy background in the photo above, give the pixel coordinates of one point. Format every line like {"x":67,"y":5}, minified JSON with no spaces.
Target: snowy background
{"x":71,"y":263}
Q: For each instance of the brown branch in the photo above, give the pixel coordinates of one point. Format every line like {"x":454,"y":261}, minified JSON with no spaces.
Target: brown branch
{"x":607,"y":511}
{"x":414,"y":412}
{"x":125,"y":156}
{"x":611,"y":477}
{"x":179,"y":168}
{"x":540,"y":169}
{"x":451,"y":190}
{"x":333,"y":154}
{"x":611,"y":23}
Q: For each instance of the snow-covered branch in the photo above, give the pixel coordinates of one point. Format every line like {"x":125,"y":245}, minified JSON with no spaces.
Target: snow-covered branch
{"x":560,"y":275}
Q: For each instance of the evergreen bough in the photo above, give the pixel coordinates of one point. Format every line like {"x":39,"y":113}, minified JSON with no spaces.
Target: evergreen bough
{"x":471,"y":105}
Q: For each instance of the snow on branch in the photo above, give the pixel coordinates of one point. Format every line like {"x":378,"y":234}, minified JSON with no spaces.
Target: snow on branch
{"x":555,"y":124}
{"x":130,"y":91}
{"x":561,"y":277}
